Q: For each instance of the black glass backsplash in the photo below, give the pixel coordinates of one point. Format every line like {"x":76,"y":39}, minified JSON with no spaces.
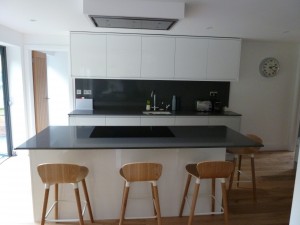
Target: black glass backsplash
{"x":133,"y":94}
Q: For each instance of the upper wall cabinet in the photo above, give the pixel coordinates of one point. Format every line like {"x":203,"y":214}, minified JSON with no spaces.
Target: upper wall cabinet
{"x":88,"y":55}
{"x":124,"y":56}
{"x":223,"y":59}
{"x":158,"y":57}
{"x":191,"y":58}
{"x":165,"y":57}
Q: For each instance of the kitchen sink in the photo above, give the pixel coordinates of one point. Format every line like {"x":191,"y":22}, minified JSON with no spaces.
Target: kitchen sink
{"x":157,"y":112}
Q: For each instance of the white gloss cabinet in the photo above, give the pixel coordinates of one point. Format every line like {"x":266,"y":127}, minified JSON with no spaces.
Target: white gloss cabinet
{"x":158,"y":54}
{"x":223,"y":59}
{"x":88,"y":55}
{"x":191,"y":121}
{"x":124,"y":56}
{"x":191,"y":58}
{"x":123,"y":121}
{"x":86,"y":120}
{"x":157,"y":120}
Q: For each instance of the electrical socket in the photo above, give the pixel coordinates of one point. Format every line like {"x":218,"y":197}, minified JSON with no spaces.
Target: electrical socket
{"x":213,"y":93}
{"x":87,"y":92}
{"x":78,"y":92}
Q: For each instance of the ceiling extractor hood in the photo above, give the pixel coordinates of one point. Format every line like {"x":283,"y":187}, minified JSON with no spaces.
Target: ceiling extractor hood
{"x":133,"y":22}
{"x":132,"y":14}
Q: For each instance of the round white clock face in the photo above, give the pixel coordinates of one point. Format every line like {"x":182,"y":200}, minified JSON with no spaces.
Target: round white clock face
{"x":269,"y":67}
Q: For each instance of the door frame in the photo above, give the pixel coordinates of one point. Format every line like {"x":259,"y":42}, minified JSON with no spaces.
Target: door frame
{"x":6,"y":101}
{"x":28,"y":81}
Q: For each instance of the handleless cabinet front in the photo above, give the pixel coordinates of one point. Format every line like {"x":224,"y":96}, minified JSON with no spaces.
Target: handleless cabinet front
{"x":123,"y":120}
{"x":124,"y":56}
{"x":191,"y":58}
{"x":191,"y":121}
{"x":86,"y":120}
{"x":158,"y":57}
{"x":157,"y":120}
{"x":88,"y":55}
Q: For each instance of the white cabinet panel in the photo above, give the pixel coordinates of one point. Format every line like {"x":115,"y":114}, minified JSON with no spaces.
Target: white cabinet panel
{"x":233,"y":122}
{"x":88,"y":55}
{"x":158,"y":55}
{"x":191,"y":58}
{"x":191,"y":120}
{"x":86,"y":120}
{"x":124,"y":56}
{"x":157,"y":120}
{"x":223,"y":60}
{"x":123,"y":120}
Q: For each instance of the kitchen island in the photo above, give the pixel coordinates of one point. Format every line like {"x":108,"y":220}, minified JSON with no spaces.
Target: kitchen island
{"x":105,"y":149}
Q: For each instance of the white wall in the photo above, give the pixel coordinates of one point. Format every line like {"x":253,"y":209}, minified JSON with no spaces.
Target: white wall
{"x":267,"y":105}
{"x":58,"y":88}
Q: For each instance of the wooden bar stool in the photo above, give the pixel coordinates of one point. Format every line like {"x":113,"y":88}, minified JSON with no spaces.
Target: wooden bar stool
{"x":246,"y":151}
{"x":54,"y":174}
{"x":207,"y":170}
{"x":138,"y":172}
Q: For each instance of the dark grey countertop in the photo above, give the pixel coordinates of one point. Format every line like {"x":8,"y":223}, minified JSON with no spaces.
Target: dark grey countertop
{"x":133,"y":112}
{"x":131,"y":137}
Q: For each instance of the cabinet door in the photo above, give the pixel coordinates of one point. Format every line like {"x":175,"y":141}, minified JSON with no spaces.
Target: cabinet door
{"x":158,"y":55}
{"x":191,"y":121}
{"x":87,"y":120}
{"x":223,"y":62}
{"x":88,"y":55}
{"x":233,"y":122}
{"x":157,"y":120}
{"x":124,"y":56}
{"x":191,"y":58}
{"x":123,"y":121}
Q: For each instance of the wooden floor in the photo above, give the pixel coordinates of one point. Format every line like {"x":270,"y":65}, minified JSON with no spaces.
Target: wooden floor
{"x":275,"y":181}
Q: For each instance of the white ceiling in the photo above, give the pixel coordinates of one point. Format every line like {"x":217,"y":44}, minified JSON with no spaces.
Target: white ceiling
{"x":273,"y":20}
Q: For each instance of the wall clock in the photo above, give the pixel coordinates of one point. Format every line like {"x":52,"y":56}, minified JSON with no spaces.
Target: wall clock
{"x":269,"y":67}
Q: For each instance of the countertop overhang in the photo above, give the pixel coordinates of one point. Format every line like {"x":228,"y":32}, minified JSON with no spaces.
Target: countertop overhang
{"x":79,"y":137}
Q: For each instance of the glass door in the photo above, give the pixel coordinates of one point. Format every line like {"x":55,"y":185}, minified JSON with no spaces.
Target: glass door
{"x":5,"y":128}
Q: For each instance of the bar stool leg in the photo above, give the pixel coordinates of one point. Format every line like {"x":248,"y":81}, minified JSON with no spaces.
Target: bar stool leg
{"x":153,"y":197}
{"x":186,"y":189}
{"x":124,"y":202}
{"x":194,"y":201}
{"x":213,"y":193}
{"x":239,"y":171}
{"x":86,"y":195}
{"x":56,"y":200}
{"x":46,"y":196}
{"x":78,"y":203}
{"x":232,"y":174}
{"x":225,"y":201}
{"x":156,"y":202}
{"x":253,"y":177}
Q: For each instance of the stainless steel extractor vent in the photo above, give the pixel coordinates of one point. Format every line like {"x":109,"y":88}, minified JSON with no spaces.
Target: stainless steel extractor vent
{"x":132,"y":22}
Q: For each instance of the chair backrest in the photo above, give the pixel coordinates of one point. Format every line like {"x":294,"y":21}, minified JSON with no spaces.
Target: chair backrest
{"x":215,"y":169}
{"x":54,"y":173}
{"x":141,"y":171}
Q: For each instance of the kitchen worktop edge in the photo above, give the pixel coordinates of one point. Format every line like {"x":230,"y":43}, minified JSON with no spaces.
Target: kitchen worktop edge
{"x":114,"y":112}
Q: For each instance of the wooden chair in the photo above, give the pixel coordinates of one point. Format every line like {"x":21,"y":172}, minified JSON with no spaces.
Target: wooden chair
{"x":139,"y":172}
{"x":238,"y":153}
{"x":55,"y":174}
{"x":207,"y":170}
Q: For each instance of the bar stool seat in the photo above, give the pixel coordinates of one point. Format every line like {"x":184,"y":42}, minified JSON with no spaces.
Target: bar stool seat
{"x":207,"y":170}
{"x":57,"y":173}
{"x":140,"y":172}
{"x":238,"y":154}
